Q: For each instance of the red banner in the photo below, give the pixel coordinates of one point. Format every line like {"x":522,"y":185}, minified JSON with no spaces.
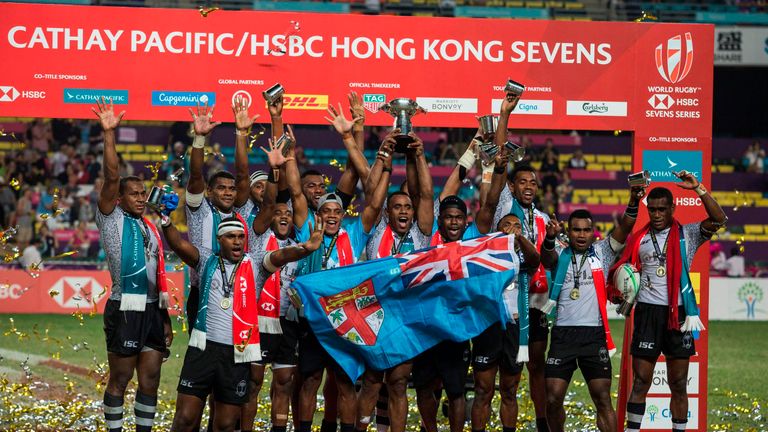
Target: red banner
{"x":68,"y":291}
{"x":159,"y":61}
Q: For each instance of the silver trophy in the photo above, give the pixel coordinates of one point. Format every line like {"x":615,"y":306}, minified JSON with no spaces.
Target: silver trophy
{"x":517,"y":151}
{"x":402,"y":109}
{"x":642,"y":179}
{"x":155,"y":198}
{"x":273,"y":94}
{"x":488,"y":125}
{"x":514,"y":88}
{"x":287,"y":142}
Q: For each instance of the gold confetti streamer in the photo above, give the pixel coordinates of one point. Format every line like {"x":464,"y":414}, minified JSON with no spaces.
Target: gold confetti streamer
{"x":617,"y":132}
{"x":15,"y":184}
{"x":7,"y":235}
{"x":179,"y":267}
{"x":646,"y":17}
{"x":204,"y":11}
{"x":255,"y":137}
{"x":327,"y":180}
{"x":64,"y":255}
{"x":335,"y":163}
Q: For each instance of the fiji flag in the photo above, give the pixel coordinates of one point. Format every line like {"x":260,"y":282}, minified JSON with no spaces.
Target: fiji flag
{"x":381,"y":313}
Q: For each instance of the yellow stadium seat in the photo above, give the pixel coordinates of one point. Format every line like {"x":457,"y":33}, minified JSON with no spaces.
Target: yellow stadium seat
{"x":605,"y":158}
{"x":134,"y":148}
{"x":600,"y":226}
{"x":725,"y":168}
{"x":515,"y":3}
{"x":534,"y":4}
{"x":536,"y":165}
{"x":589,"y":157}
{"x":574,"y":5}
{"x":753,"y":195}
{"x":727,"y":202}
{"x":614,"y":167}
{"x":749,"y":237}
{"x":593,"y":200}
{"x":151,"y":148}
{"x":601,"y":192}
{"x":609,"y":200}
{"x":753,"y":229}
{"x":761,"y":237}
{"x":594,"y":166}
{"x":762,"y":202}
{"x":624,"y":158}
{"x":120,"y":148}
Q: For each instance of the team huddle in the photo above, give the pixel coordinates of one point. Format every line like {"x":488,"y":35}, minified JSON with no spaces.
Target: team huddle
{"x":251,"y":234}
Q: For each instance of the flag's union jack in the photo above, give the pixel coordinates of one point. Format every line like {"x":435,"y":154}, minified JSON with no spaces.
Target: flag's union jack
{"x":458,"y":260}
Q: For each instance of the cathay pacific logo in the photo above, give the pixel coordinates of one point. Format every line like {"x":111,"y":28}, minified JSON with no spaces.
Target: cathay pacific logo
{"x":662,"y":164}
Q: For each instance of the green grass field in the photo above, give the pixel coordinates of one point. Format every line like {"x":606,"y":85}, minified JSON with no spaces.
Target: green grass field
{"x":737,"y":380}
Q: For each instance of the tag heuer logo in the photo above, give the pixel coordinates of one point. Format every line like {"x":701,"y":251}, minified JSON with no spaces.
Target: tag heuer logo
{"x":372,"y":102}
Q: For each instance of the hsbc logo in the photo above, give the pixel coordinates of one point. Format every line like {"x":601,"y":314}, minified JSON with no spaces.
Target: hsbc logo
{"x":673,"y":60}
{"x":243,"y":94}
{"x":76,"y":292}
{"x":661,"y":101}
{"x":8,"y":94}
{"x":269,"y":307}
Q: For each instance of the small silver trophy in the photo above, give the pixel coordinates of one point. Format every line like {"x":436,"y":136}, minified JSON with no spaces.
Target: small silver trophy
{"x":642,"y":179}
{"x":514,"y":88}
{"x":518,"y":152}
{"x":287,"y":142}
{"x":402,"y":109}
{"x":156,"y":196}
{"x":488,"y":125}
{"x":273,"y":94}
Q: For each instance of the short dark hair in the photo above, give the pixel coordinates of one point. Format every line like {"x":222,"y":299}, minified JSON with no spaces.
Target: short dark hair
{"x":519,"y":169}
{"x":219,"y":174}
{"x":453,"y":201}
{"x":661,"y":192}
{"x":397,"y":193}
{"x":124,"y":181}
{"x":310,"y":172}
{"x":735,"y":251}
{"x":579,"y":214}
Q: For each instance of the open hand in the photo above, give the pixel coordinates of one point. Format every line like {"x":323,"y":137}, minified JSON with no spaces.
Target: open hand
{"x":687,"y":180}
{"x":417,"y":146}
{"x":203,"y":119}
{"x":356,"y":105}
{"x":243,"y":121}
{"x":339,"y":121}
{"x":316,"y":239}
{"x":275,"y":153}
{"x":554,"y":227}
{"x":106,"y":114}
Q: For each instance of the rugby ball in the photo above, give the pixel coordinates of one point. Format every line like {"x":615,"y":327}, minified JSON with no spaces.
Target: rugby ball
{"x":626,"y":279}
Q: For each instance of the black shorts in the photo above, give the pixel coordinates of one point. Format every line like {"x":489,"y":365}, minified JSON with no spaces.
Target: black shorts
{"x":584,"y":347}
{"x":281,"y":349}
{"x":651,"y":335}
{"x":128,"y":332}
{"x":497,"y":346}
{"x":192,"y":303}
{"x":539,"y":326}
{"x":312,"y":356}
{"x":214,"y":370}
{"x":448,"y":361}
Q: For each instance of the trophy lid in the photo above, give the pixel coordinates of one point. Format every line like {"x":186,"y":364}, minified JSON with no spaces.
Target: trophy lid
{"x":398,"y":105}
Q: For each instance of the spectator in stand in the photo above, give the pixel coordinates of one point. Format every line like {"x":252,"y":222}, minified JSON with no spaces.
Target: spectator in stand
{"x":86,"y":210}
{"x":7,"y":203}
{"x":65,"y":131}
{"x":49,"y":244}
{"x":719,"y":263}
{"x":445,"y":154}
{"x":30,"y":256}
{"x":215,"y":161}
{"x":80,"y":241}
{"x":549,"y":172}
{"x":735,"y":264}
{"x":565,"y":188}
{"x":45,"y":204}
{"x":577,"y":161}
{"x":39,"y":135}
{"x":180,"y":132}
{"x":548,"y":201}
{"x":549,"y":148}
{"x":125,"y":169}
{"x":92,"y":166}
{"x":60,"y":161}
{"x":24,"y":218}
{"x":36,"y":169}
{"x":753,"y":159}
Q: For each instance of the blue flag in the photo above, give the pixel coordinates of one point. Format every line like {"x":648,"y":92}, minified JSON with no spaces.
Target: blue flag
{"x":381,"y":313}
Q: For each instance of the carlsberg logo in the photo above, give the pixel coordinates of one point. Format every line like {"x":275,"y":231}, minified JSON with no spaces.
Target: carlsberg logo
{"x":595,"y":108}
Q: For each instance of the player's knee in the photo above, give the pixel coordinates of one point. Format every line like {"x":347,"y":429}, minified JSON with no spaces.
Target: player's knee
{"x":483,"y":392}
{"x":679,"y":386}
{"x":554,"y":398}
{"x":640,"y":384}
{"x":398,"y":385}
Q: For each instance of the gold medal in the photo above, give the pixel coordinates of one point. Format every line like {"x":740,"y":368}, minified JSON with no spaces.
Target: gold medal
{"x":575,"y":294}
{"x":225,"y":303}
{"x":661,"y":271}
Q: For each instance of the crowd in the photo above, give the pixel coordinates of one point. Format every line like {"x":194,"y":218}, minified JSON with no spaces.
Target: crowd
{"x":251,"y":234}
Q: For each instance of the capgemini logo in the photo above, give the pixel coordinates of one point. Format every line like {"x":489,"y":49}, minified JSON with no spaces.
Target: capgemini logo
{"x":672,"y":66}
{"x":750,"y":293}
{"x":652,"y":411}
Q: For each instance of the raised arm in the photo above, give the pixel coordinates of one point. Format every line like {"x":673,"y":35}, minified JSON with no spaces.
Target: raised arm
{"x":375,"y":174}
{"x":530,"y":254}
{"x":490,"y":201}
{"x":425,"y":209}
{"x":243,"y":123}
{"x":358,"y":130}
{"x":269,"y":199}
{"x":203,"y":125}
{"x":508,"y":105}
{"x":290,"y":254}
{"x":345,"y":128}
{"x":276,"y":117}
{"x":716,"y":217}
{"x":459,"y":173}
{"x":300,"y":205}
{"x":184,"y":249}
{"x":111,"y":188}
{"x":375,"y":200}
{"x":627,"y":222}
{"x":548,"y":251}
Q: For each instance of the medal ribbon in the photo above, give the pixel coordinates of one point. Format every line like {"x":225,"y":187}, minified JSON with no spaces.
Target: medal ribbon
{"x":327,"y":252}
{"x":227,"y":284}
{"x":577,"y":272}
{"x":660,"y":255}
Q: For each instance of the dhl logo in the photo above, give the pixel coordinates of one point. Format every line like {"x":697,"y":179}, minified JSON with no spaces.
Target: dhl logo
{"x":305,"y":102}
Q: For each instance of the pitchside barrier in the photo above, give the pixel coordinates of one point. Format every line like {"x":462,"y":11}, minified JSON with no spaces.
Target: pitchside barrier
{"x":649,"y":78}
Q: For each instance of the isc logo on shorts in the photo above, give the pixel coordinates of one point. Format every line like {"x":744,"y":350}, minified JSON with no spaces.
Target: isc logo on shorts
{"x":131,"y":344}
{"x":646,"y":345}
{"x":482,"y":359}
{"x":186,"y":383}
{"x":554,"y":361}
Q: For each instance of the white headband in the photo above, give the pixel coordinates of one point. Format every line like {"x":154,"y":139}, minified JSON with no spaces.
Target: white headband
{"x":258,"y":176}
{"x":228,"y":226}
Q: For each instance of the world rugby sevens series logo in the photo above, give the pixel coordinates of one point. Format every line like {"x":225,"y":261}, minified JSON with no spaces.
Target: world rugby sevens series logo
{"x":670,"y":62}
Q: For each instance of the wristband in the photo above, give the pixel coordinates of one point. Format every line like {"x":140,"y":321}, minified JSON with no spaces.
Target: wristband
{"x":631,"y":212}
{"x":242,"y":133}
{"x":272,"y":177}
{"x":700,"y":190}
{"x":468,"y":159}
{"x":488,"y":173}
{"x":500,"y":170}
{"x":198,"y":142}
{"x":549,"y":243}
{"x":385,"y":169}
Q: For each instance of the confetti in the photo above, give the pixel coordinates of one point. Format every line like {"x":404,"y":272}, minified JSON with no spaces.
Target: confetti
{"x":335,"y":163}
{"x":646,"y":17}
{"x":204,"y":11}
{"x":179,"y":267}
{"x":8,"y":234}
{"x":53,"y":293}
{"x":15,"y":184}
{"x":64,"y":255}
{"x":155,"y":169}
{"x":255,"y":137}
{"x":617,"y":132}
{"x":327,"y":180}
{"x":293,"y":28}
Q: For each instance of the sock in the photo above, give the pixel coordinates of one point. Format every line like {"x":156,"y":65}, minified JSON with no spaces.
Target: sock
{"x":509,"y":429}
{"x":347,"y":427}
{"x":305,"y":426}
{"x":679,"y":424}
{"x":635,"y":413}
{"x":144,"y":409}
{"x":279,"y":428}
{"x":382,"y":415}
{"x":328,"y":426}
{"x":113,"y":412}
{"x":541,"y":424}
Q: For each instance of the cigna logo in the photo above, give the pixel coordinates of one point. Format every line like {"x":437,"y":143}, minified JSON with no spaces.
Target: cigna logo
{"x":671,"y":64}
